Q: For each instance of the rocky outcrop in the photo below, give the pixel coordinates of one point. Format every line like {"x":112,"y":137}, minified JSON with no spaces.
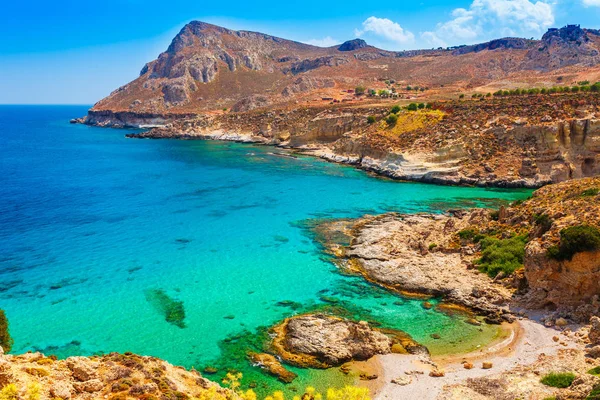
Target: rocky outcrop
{"x":128,"y":119}
{"x":322,"y":341}
{"x":352,"y":45}
{"x":405,"y":253}
{"x":594,"y":332}
{"x":569,"y":286}
{"x":270,"y":364}
{"x":110,"y":376}
{"x":559,"y":48}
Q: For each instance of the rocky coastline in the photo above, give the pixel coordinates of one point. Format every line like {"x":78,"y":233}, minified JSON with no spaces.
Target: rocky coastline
{"x":461,"y":257}
{"x":539,"y":141}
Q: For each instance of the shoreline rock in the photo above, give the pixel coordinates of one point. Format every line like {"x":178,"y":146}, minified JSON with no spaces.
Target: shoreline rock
{"x":391,"y":250}
{"x":322,"y":341}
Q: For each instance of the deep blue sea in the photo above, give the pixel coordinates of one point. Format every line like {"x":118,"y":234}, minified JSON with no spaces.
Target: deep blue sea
{"x":102,"y":236}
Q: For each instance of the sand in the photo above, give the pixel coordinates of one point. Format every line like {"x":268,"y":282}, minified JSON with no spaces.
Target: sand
{"x":527,"y":341}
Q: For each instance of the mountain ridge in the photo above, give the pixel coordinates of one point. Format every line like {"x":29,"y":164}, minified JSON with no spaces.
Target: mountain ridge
{"x":208,"y":68}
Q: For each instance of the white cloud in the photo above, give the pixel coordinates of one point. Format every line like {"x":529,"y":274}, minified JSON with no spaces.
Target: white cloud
{"x":387,"y":29}
{"x":487,"y":19}
{"x":591,"y":3}
{"x":324,"y":42}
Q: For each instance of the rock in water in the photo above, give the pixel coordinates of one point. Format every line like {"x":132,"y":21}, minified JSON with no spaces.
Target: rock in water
{"x":272,"y":366}
{"x":323,"y":341}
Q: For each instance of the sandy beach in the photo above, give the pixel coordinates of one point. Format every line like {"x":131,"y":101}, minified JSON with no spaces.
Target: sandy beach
{"x":407,"y":377}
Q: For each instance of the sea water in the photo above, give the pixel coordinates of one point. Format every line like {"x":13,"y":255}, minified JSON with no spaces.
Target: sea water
{"x":101,"y":236}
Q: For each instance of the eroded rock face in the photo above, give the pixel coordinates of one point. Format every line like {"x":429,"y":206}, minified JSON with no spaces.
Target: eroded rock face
{"x":331,"y":341}
{"x":569,"y":286}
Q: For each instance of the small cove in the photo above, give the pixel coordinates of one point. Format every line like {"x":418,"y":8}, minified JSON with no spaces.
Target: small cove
{"x":186,"y":250}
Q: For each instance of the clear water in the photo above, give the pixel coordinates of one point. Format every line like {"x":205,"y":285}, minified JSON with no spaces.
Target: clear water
{"x":90,"y":222}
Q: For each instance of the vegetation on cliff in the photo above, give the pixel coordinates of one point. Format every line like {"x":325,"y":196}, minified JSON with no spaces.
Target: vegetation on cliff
{"x":575,"y":239}
{"x":501,"y":255}
{"x":6,"y":340}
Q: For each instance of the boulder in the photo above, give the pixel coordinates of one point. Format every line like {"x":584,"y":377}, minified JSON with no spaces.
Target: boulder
{"x":324,"y":341}
{"x":81,"y":369}
{"x":594,"y":334}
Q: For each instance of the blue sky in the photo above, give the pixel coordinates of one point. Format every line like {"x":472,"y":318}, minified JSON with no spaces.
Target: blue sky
{"x":76,"y":52}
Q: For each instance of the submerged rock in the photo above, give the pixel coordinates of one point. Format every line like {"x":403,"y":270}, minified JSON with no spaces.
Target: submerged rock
{"x":270,"y":364}
{"x":170,"y":308}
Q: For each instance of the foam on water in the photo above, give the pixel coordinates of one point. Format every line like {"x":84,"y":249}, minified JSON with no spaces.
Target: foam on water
{"x":92,"y":222}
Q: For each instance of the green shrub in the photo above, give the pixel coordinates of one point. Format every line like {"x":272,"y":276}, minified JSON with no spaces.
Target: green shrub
{"x":504,"y":255}
{"x":590,"y":192}
{"x":462,"y":96}
{"x":467,"y":234}
{"x":495,"y":215}
{"x":396,"y":109}
{"x":412,"y":107}
{"x":6,"y":341}
{"x":371,"y":119}
{"x":575,"y":239}
{"x":432,"y":246}
{"x":360,"y":90}
{"x":558,"y":379}
{"x":391,"y":119}
{"x":594,"y":371}
{"x":421,"y":106}
{"x":543,"y":221}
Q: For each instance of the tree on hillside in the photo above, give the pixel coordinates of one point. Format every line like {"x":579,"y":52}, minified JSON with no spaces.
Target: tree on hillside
{"x":6,"y":341}
{"x":360,"y":90}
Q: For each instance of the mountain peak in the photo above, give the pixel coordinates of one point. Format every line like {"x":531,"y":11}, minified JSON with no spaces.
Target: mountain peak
{"x":353,"y":44}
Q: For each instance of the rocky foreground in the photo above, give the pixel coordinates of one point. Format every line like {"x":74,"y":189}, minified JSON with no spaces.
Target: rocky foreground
{"x":114,"y":376}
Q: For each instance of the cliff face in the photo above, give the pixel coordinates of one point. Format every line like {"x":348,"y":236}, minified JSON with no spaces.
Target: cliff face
{"x":208,"y":68}
{"x":569,"y":285}
{"x":511,"y":142}
{"x":564,"y":47}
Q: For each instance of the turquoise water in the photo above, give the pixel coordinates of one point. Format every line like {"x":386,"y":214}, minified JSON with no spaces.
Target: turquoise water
{"x":91,"y":223}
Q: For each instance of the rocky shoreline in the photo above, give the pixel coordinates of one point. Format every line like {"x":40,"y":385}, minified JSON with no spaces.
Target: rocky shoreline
{"x":506,"y":142}
{"x":400,"y":170}
{"x":411,"y":255}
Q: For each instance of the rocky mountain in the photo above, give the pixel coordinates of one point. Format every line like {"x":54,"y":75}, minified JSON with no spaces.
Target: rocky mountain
{"x":208,"y":68}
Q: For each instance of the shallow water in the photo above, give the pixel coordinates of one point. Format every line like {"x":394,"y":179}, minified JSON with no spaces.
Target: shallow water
{"x":102,"y":236}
